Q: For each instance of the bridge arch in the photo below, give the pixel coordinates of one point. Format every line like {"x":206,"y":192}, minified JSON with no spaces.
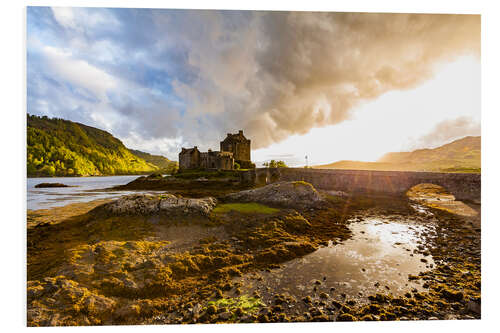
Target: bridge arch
{"x":429,"y":191}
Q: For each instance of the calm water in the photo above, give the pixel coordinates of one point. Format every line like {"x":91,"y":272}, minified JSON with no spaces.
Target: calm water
{"x":378,"y":258}
{"x":86,"y":189}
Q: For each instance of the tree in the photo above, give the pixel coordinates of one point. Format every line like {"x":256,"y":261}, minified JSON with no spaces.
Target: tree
{"x":275,"y":164}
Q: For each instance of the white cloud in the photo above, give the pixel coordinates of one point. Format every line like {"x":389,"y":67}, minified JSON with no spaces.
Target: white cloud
{"x":83,"y":19}
{"x":168,"y":147}
{"x":276,"y":75}
{"x":65,"y":16}
{"x":79,"y":72}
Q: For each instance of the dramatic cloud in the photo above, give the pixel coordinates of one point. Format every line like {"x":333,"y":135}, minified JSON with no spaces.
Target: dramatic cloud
{"x":189,"y":77}
{"x":449,"y":130}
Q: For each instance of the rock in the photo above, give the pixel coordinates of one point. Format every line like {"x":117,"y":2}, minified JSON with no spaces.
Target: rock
{"x":128,"y":311}
{"x":196,"y":309}
{"x":154,"y":175}
{"x":69,"y":298}
{"x":224,"y":315}
{"x":315,"y":312}
{"x":307,"y":300}
{"x":147,"y":204}
{"x":264,"y":311}
{"x":49,"y":185}
{"x":296,"y":223}
{"x":338,"y":193}
{"x":473,"y":306}
{"x":452,"y":295}
{"x":211,"y":309}
{"x":320,"y":318}
{"x":346,"y":317}
{"x":287,"y":194}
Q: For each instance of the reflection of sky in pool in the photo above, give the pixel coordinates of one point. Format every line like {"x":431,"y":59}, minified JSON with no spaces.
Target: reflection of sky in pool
{"x":379,"y":254}
{"x":85,"y":189}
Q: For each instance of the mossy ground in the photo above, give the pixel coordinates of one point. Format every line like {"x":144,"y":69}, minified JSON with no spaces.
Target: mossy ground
{"x":247,"y":208}
{"x":194,"y":174}
{"x":194,"y":184}
{"x":132,"y":270}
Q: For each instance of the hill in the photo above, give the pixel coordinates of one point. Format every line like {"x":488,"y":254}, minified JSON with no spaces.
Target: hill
{"x":164,"y":164}
{"x":58,"y":147}
{"x":462,"y":155}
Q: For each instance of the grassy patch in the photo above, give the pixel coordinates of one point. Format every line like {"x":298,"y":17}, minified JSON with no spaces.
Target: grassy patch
{"x":301,"y":183}
{"x":244,"y":302}
{"x":251,"y":207}
{"x":462,"y":170}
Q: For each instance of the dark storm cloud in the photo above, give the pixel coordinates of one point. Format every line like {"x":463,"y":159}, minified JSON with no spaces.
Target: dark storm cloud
{"x":195,"y":75}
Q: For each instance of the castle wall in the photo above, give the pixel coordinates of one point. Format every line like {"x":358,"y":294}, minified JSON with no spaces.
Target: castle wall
{"x":216,"y":160}
{"x":225,"y":162}
{"x":234,"y":148}
{"x":238,"y":145}
{"x":189,"y":159}
{"x":243,"y":151}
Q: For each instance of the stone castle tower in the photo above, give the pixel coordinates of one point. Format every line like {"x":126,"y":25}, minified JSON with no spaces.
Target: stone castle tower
{"x":234,"y":148}
{"x":240,"y":147}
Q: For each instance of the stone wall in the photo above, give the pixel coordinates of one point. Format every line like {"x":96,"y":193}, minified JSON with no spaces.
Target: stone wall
{"x":464,"y":186}
{"x":189,"y":158}
{"x":238,"y":145}
{"x":225,"y":161}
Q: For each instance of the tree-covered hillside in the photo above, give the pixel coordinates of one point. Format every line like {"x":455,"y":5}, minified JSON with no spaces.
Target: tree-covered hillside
{"x":164,"y":164}
{"x":58,"y":147}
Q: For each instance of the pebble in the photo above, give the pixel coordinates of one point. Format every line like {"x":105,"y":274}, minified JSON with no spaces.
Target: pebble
{"x":225,"y":316}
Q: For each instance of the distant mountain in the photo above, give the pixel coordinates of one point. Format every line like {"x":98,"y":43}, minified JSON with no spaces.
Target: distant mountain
{"x":164,"y":164}
{"x":58,"y":147}
{"x":463,"y":155}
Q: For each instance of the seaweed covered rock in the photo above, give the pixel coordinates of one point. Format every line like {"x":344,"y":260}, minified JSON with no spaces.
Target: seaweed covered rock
{"x":287,"y":194}
{"x":50,"y":185}
{"x":59,"y":301}
{"x":147,"y":204}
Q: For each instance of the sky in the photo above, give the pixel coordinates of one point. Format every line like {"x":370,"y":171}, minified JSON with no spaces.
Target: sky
{"x":332,"y":86}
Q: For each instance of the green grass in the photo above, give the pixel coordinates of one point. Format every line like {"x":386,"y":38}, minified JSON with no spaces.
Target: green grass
{"x":301,"y":183}
{"x":251,"y":207}
{"x":462,"y":170}
{"x":247,"y":304}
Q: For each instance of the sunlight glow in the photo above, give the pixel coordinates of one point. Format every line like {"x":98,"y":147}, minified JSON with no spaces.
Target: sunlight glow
{"x":393,"y":122}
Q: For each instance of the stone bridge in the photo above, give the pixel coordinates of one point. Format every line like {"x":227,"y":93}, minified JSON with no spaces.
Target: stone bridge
{"x":464,"y":186}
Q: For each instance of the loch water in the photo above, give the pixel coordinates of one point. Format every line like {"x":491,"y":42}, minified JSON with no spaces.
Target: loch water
{"x":83,"y":189}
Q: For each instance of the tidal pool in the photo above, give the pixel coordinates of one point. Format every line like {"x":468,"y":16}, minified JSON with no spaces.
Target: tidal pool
{"x":377,"y":259}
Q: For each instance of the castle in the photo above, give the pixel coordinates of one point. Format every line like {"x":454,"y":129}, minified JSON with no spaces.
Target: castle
{"x":235,"y":148}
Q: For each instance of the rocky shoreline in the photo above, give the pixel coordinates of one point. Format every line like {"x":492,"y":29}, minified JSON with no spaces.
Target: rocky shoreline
{"x":163,"y":259}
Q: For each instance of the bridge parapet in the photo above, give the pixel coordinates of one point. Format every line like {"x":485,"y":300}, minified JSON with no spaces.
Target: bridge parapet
{"x":464,"y":186}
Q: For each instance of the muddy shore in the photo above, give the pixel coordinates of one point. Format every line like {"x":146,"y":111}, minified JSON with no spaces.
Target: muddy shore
{"x":88,"y":269}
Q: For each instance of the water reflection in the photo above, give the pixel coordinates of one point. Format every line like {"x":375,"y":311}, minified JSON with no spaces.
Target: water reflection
{"x":378,"y":258}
